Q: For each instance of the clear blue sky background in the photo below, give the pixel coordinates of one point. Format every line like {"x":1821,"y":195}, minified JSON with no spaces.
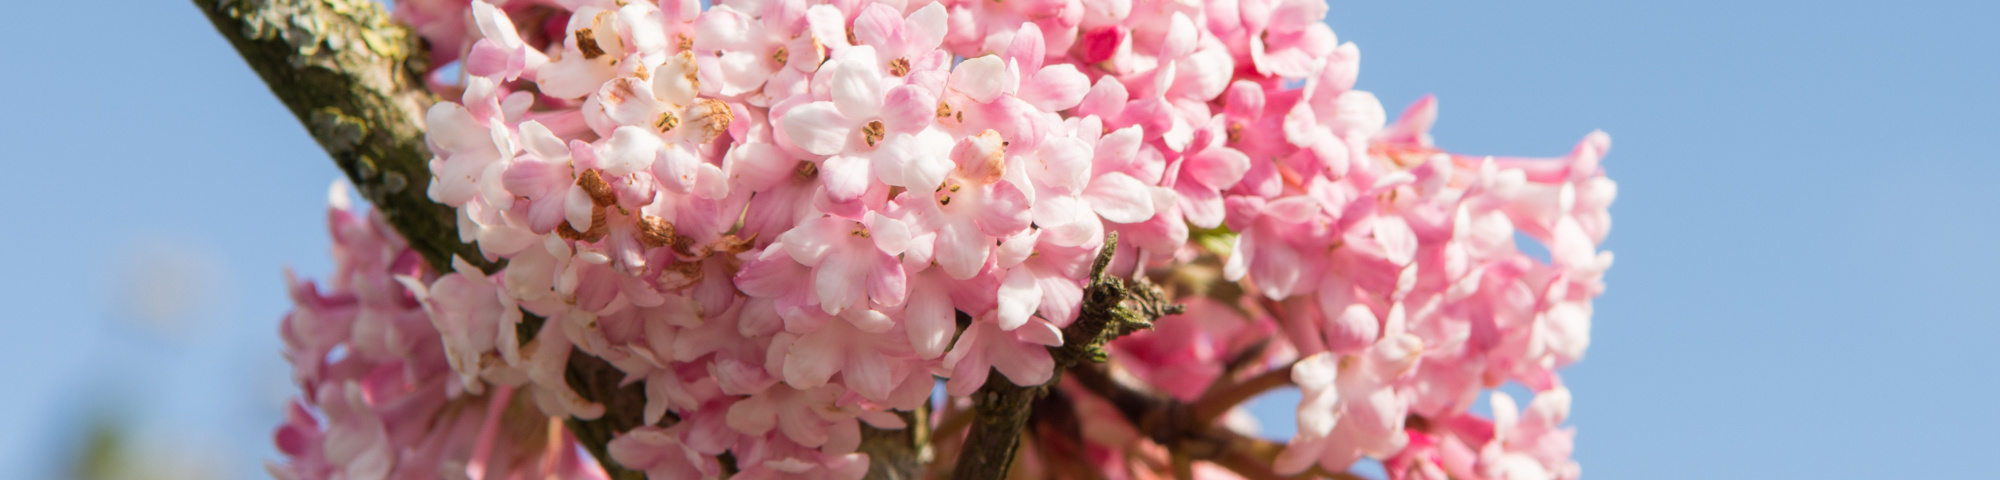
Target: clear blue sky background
{"x":1805,"y":228}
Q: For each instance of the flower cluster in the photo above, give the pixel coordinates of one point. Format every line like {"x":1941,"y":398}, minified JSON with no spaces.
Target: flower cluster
{"x":378,"y":396}
{"x":788,"y":218}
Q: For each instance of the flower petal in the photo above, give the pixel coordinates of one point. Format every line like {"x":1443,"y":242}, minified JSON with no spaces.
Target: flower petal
{"x":818,"y":127}
{"x":1119,"y":198}
{"x":981,"y":79}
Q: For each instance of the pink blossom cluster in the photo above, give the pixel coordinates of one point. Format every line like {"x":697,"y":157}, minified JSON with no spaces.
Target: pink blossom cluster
{"x":378,"y":396}
{"x":774,"y":213}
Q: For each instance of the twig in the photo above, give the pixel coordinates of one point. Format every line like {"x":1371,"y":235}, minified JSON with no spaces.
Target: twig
{"x":1171,"y":423}
{"x":1112,"y":307}
{"x":898,"y":454}
{"x":1217,"y":402}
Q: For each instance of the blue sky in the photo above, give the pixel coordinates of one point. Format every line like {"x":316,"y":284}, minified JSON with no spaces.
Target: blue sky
{"x":1805,"y":227}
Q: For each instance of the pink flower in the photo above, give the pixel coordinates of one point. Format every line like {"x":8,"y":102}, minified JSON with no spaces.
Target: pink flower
{"x":842,"y":251}
{"x":1287,"y":37}
{"x":904,"y":44}
{"x":750,"y":48}
{"x":661,"y":454}
{"x":500,"y":53}
{"x":1043,"y":277}
{"x":872,"y":129}
{"x":475,"y":318}
{"x":972,"y":208}
{"x":1019,"y":354}
{"x":472,"y":154}
{"x":1209,"y":168}
{"x":930,"y":316}
{"x":1350,"y":409}
{"x":800,"y":417}
{"x":595,"y":44}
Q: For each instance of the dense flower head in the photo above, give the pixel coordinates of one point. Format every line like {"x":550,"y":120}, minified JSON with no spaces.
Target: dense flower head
{"x":789,"y":218}
{"x":381,"y":394}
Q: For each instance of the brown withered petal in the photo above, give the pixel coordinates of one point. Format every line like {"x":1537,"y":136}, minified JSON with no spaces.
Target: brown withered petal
{"x":680,"y":275}
{"x":598,"y":228}
{"x":598,"y":225}
{"x":683,"y":245}
{"x":594,"y":185}
{"x":731,"y":244}
{"x":587,"y":44}
{"x":711,"y":117}
{"x":655,"y":231}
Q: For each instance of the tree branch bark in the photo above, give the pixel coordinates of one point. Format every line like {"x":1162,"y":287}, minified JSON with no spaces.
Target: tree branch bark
{"x":1112,"y":307}
{"x":354,"y":79}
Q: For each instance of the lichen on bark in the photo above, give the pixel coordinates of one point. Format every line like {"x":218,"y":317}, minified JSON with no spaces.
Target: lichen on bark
{"x":354,"y":79}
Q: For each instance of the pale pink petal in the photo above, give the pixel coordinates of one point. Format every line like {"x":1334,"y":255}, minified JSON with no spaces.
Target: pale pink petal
{"x":857,"y":86}
{"x":881,"y":26}
{"x":1056,"y":88}
{"x":892,"y":236}
{"x":924,"y":30}
{"x":845,"y":177}
{"x":836,"y":280}
{"x":819,"y":128}
{"x":908,"y":109}
{"x":867,"y":372}
{"x":576,"y":208}
{"x":741,"y":72}
{"x":1061,"y":298}
{"x":1202,"y":207}
{"x":1024,"y":363}
{"x":1040,"y":333}
{"x":1062,"y":163}
{"x":929,"y":320}
{"x":1005,"y":212}
{"x":981,"y":79}
{"x":1317,"y":371}
{"x":812,"y":240}
{"x":828,"y":25}
{"x":813,"y":359}
{"x":1028,"y":48}
{"x":1353,"y":329}
{"x":1019,"y":297}
{"x":755,"y":415}
{"x":1399,"y":243}
{"x":1119,"y":198}
{"x":1181,"y":38}
{"x":868,"y":320}
{"x":1217,"y":167}
{"x":886,"y":280}
{"x":1106,"y":99}
{"x":962,"y":250}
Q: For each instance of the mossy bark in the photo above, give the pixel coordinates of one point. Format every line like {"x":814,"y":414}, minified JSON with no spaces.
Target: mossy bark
{"x":354,"y":80}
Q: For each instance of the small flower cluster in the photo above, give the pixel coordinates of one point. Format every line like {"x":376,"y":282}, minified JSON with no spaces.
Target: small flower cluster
{"x":787,"y":218}
{"x":379,"y":398}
